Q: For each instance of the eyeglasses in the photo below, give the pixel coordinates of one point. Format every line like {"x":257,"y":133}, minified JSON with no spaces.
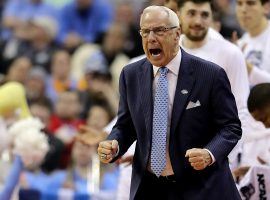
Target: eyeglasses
{"x":160,"y":31}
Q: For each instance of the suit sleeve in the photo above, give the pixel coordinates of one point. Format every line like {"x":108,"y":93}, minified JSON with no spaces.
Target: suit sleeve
{"x":123,"y":131}
{"x":225,"y":118}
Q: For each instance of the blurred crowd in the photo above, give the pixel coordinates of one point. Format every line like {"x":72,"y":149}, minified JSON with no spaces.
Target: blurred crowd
{"x":69,"y":54}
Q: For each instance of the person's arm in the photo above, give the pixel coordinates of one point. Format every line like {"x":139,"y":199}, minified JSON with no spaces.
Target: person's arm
{"x":237,"y":74}
{"x":12,"y":179}
{"x":226,"y":122}
{"x":124,"y":130}
{"x":258,"y":76}
{"x":225,"y":118}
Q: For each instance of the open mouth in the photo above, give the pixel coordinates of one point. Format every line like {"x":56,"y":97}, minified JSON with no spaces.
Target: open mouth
{"x":155,"y":52}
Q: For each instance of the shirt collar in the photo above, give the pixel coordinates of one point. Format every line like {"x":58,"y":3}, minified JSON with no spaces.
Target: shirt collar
{"x":173,"y":65}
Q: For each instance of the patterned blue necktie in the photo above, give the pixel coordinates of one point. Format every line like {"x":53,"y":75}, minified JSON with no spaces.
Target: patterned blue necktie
{"x":160,"y":123}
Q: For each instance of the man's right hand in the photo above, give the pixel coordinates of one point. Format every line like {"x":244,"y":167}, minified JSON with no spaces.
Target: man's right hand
{"x":107,"y":150}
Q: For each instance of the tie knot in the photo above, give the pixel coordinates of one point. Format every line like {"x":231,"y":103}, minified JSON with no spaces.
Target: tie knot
{"x":163,"y":70}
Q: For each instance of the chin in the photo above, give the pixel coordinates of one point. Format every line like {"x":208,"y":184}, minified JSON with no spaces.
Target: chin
{"x":157,"y":64}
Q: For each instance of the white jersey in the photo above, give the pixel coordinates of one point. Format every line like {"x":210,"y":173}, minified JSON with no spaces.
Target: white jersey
{"x":213,"y":34}
{"x":231,"y":59}
{"x":257,"y":52}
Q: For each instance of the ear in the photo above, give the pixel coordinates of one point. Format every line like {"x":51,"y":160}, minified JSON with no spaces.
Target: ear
{"x":178,"y":33}
{"x":260,"y":116}
{"x":267,"y":122}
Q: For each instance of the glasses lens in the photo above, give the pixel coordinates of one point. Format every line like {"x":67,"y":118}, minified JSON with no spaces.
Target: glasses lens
{"x":159,"y":30}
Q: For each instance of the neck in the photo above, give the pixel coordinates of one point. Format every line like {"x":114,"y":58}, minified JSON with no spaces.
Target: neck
{"x":190,"y":44}
{"x":257,"y":30}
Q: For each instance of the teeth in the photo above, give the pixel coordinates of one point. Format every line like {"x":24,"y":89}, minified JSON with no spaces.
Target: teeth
{"x":155,"y":55}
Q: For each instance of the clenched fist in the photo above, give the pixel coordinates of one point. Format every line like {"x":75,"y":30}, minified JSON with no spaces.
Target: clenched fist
{"x":199,"y":158}
{"x":107,"y":150}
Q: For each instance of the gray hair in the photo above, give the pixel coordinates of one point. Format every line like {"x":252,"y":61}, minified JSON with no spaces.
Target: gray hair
{"x":172,"y":16}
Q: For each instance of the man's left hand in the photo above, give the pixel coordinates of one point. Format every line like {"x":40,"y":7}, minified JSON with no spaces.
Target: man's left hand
{"x":199,"y":158}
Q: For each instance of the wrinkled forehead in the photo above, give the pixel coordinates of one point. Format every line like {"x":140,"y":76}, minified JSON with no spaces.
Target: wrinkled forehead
{"x":154,"y":18}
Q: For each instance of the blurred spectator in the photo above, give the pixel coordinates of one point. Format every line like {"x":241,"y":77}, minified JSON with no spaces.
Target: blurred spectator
{"x":112,"y":51}
{"x":214,"y":28}
{"x":36,"y":185}
{"x":13,"y":107}
{"x":19,"y":70}
{"x":125,"y":15}
{"x":24,"y":133}
{"x":18,"y":12}
{"x":35,"y":85}
{"x":98,"y":83}
{"x":59,"y":80}
{"x":78,"y":61}
{"x":78,"y":174}
{"x":65,"y":122}
{"x":109,"y":58}
{"x":9,"y":50}
{"x":12,"y":99}
{"x":255,"y":43}
{"x":99,"y":115}
{"x":11,"y":180}
{"x":83,"y":177}
{"x":43,"y":110}
{"x":228,"y":19}
{"x":84,"y":21}
{"x":40,"y":45}
{"x":67,"y":109}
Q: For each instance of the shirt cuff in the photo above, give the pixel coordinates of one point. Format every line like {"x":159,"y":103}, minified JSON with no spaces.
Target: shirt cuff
{"x":118,"y":149}
{"x":212,"y":157}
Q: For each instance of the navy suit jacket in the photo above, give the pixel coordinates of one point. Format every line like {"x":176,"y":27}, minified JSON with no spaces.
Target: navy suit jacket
{"x":213,"y":125}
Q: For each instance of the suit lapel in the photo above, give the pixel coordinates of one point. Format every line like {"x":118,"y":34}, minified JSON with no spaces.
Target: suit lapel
{"x":146,"y":81}
{"x":184,"y":86}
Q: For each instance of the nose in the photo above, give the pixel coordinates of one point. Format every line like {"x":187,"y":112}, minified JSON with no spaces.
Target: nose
{"x":151,"y":36}
{"x":244,"y":7}
{"x":198,"y":19}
